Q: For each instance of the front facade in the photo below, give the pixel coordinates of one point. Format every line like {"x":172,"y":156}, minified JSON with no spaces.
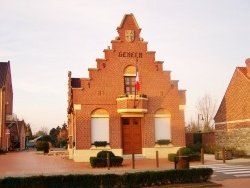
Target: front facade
{"x":232,"y":120}
{"x":128,"y":101}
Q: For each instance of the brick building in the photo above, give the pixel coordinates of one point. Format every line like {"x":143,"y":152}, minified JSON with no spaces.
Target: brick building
{"x":109,"y":105}
{"x":8,"y":121}
{"x":232,"y":120}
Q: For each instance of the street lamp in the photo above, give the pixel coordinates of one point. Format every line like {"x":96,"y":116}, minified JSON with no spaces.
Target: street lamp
{"x":200,"y":116}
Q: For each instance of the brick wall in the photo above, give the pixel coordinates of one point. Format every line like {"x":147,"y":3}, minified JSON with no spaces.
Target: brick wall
{"x":207,"y":138}
{"x":235,"y":104}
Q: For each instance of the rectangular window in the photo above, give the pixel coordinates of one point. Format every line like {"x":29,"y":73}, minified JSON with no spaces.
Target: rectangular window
{"x":162,"y":129}
{"x":125,"y":121}
{"x":129,"y":84}
{"x":99,"y":129}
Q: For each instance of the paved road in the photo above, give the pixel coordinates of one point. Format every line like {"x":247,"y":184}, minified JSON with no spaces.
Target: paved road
{"x":235,"y":173}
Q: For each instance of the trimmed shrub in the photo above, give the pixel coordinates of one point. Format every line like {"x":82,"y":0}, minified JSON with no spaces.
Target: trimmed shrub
{"x":98,"y":162}
{"x":185,"y":151}
{"x":102,"y":162}
{"x":101,"y":159}
{"x":116,"y":161}
{"x":104,"y":154}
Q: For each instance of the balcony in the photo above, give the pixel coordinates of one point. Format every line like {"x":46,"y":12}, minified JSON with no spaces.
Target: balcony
{"x":132,"y":103}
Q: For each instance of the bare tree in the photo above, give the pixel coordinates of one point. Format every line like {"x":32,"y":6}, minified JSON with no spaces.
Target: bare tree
{"x":206,"y":109}
{"x":42,"y":132}
{"x":28,"y":130}
{"x":192,"y":127}
{"x":45,"y":130}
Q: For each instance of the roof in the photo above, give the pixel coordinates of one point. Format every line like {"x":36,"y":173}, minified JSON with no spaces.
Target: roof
{"x":34,"y":140}
{"x":243,"y":70}
{"x":235,"y":103}
{"x":4,"y":66}
{"x":124,"y":19}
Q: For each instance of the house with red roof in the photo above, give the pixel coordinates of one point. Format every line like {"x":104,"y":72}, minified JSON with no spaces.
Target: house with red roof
{"x":232,"y":120}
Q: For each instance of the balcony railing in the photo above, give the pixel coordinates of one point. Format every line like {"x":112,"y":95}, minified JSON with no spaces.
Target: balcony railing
{"x":132,"y":103}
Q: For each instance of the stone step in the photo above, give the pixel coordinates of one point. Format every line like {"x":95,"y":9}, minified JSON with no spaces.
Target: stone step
{"x":137,"y":156}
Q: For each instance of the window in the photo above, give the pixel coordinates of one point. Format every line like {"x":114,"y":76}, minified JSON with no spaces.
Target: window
{"x":99,"y":129}
{"x":129,"y":84}
{"x":162,"y":128}
{"x":125,"y":121}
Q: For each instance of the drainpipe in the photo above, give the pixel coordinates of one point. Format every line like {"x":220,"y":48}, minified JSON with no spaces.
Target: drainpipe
{"x":1,"y":119}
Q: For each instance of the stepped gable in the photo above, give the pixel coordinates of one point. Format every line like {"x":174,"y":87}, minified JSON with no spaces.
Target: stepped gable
{"x":128,"y":48}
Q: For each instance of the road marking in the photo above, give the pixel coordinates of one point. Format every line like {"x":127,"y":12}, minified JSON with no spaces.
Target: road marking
{"x":242,"y":175}
{"x":235,"y":170}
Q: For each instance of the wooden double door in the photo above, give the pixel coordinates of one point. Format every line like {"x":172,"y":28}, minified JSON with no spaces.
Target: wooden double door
{"x":131,"y":135}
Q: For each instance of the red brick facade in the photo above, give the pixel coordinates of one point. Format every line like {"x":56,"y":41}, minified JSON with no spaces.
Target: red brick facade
{"x":6,"y":103}
{"x":104,"y":89}
{"x":234,"y":110}
{"x":232,"y":121}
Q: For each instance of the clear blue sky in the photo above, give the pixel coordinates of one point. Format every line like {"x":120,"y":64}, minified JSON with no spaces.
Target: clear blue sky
{"x":200,"y":41}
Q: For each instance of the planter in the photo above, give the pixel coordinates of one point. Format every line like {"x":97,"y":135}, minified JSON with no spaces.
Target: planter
{"x":100,"y":143}
{"x":181,"y":162}
{"x":163,"y":142}
{"x":219,"y":155}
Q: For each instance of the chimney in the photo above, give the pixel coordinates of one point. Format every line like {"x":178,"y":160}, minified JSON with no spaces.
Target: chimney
{"x":248,"y":66}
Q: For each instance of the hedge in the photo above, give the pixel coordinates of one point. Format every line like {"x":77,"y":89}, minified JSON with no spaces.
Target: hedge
{"x":138,"y":179}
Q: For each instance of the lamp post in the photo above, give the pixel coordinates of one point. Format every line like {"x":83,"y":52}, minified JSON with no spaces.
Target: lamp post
{"x":200,"y":116}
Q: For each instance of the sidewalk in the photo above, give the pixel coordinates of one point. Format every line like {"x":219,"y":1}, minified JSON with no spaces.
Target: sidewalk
{"x":28,"y":163}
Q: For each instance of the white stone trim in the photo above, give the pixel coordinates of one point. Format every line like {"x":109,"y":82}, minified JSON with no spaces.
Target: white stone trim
{"x":77,"y":106}
{"x":100,"y":115}
{"x":132,"y":115}
{"x":162,"y":115}
{"x":182,"y":107}
{"x":138,"y":110}
{"x":236,"y":121}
